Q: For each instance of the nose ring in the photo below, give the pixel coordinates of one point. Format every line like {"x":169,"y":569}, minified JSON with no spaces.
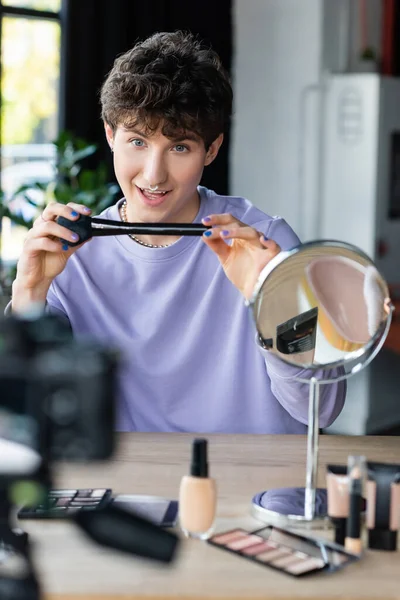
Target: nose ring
{"x":153,"y":188}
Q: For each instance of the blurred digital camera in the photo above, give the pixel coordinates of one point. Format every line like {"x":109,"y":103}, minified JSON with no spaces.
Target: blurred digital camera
{"x":57,"y":393}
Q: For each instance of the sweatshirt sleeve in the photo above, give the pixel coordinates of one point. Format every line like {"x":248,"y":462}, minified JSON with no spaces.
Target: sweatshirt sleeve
{"x":52,"y":306}
{"x":291,"y":394}
{"x":282,"y":234}
{"x":294,"y":395}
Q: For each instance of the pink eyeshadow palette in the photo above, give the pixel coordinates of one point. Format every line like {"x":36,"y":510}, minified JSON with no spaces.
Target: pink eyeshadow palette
{"x":244,"y":542}
{"x":226,"y":538}
{"x":282,"y":550}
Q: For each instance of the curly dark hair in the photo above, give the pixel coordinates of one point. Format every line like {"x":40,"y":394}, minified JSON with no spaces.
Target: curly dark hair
{"x":172,"y":80}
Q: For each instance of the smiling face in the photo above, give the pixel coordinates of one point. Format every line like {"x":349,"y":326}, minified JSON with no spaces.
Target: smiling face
{"x":143,"y":160}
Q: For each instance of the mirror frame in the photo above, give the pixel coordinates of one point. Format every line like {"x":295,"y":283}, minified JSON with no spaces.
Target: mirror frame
{"x":354,"y":357}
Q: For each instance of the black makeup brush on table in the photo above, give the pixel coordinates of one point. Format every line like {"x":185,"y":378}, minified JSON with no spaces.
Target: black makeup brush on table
{"x":87,"y":227}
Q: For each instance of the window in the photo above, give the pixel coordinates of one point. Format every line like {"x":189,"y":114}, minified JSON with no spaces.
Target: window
{"x":30,"y":78}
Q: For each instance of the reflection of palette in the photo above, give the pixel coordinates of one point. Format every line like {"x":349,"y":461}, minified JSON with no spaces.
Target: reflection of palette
{"x":336,"y":285}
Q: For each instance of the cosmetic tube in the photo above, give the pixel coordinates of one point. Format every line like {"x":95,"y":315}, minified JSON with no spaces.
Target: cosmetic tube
{"x":383,"y":505}
{"x":337,"y":483}
{"x":114,"y":527}
{"x":197,"y":495}
{"x":356,"y":472}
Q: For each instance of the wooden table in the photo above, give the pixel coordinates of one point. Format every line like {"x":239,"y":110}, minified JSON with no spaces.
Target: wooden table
{"x":71,"y":567}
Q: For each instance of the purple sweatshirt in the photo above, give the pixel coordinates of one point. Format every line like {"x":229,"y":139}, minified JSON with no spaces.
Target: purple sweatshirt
{"x":190,"y":359}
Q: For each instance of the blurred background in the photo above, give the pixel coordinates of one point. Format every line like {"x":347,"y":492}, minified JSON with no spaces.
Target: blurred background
{"x":315,"y":135}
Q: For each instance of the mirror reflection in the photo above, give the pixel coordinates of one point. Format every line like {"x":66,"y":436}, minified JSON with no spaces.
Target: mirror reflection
{"x":320,"y":304}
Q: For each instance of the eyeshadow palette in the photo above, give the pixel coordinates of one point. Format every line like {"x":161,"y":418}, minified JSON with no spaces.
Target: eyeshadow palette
{"x":285,"y":551}
{"x":62,"y":503}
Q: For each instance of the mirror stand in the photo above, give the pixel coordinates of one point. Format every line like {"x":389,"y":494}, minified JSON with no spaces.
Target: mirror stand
{"x":309,"y":504}
{"x":312,"y":451}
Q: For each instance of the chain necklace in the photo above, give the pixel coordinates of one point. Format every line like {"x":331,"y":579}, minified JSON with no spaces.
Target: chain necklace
{"x":133,"y":237}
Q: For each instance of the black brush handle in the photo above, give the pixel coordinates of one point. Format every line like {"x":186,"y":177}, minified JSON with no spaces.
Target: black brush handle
{"x":86,"y":228}
{"x":116,"y":528}
{"x":82,"y":226}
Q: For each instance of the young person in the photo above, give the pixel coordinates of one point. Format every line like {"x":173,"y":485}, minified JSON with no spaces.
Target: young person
{"x":173,"y":306}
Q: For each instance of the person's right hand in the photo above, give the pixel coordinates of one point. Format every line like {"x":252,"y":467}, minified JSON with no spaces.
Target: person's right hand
{"x":44,"y":255}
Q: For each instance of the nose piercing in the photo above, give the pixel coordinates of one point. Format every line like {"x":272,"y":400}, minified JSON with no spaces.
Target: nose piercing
{"x":153,"y":188}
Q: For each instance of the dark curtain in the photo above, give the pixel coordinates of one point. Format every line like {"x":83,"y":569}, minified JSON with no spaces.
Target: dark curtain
{"x":394,"y":36}
{"x":96,"y":31}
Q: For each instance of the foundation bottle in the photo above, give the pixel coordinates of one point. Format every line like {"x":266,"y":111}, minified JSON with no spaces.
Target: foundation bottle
{"x":197,"y":495}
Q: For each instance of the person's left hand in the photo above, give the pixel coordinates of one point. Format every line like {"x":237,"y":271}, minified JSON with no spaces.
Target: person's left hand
{"x":248,"y":254}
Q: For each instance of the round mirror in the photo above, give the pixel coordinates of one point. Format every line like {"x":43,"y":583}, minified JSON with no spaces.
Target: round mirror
{"x":321,"y":305}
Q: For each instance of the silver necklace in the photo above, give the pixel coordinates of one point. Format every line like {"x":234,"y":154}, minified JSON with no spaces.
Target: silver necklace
{"x":133,"y":237}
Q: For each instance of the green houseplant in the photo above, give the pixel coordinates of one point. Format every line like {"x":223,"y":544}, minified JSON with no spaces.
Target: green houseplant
{"x":72,"y":182}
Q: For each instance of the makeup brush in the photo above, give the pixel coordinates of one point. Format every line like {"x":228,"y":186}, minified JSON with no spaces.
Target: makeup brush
{"x":87,"y":227}
{"x":116,"y":528}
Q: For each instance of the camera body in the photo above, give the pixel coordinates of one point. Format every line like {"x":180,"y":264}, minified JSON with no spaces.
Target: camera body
{"x":56,"y":393}
{"x":57,"y":398}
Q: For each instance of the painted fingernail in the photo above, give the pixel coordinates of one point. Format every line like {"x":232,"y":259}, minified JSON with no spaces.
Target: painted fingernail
{"x":74,"y":237}
{"x":207,"y":233}
{"x":265,"y":238}
{"x":74,"y":213}
{"x":225,"y":232}
{"x":65,"y":247}
{"x":207,"y":219}
{"x":87,"y":210}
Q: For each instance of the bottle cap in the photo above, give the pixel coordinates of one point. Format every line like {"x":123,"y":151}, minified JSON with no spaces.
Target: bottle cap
{"x":199,"y":465}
